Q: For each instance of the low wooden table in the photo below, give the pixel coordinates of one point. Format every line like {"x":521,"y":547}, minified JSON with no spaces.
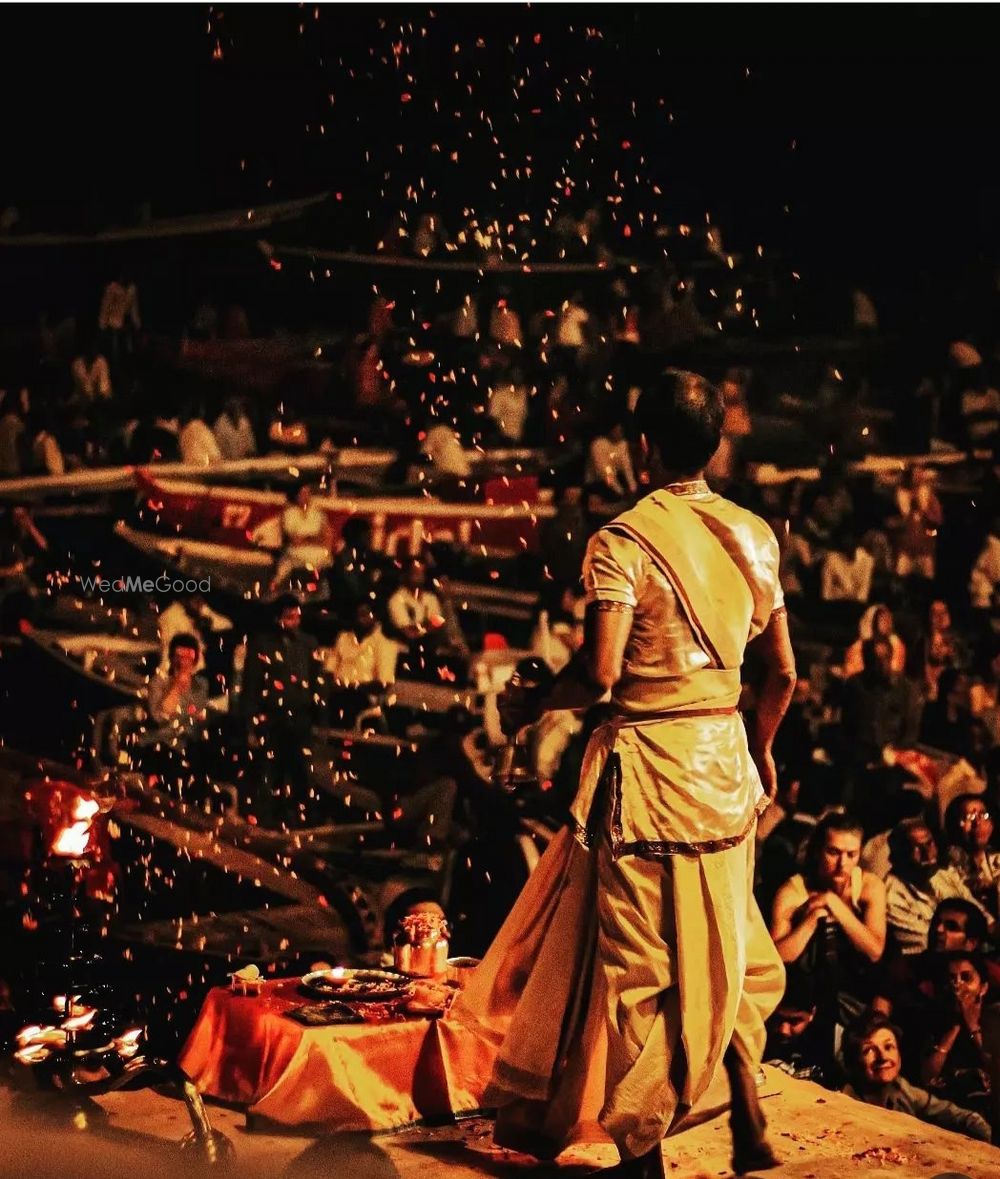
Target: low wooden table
{"x":379,"y":1076}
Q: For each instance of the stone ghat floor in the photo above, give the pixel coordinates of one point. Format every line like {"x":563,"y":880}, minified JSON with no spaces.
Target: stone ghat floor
{"x":816,"y":1134}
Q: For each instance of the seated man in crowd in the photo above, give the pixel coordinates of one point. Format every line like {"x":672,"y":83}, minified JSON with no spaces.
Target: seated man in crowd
{"x":984,"y":579}
{"x":880,"y":708}
{"x":194,"y":616}
{"x":609,"y":472}
{"x":360,"y":664}
{"x":916,"y":885}
{"x":795,"y":1042}
{"x":357,"y":569}
{"x":427,"y":627}
{"x":234,"y":432}
{"x":414,"y":612}
{"x":179,"y":692}
{"x":846,"y":572}
{"x":176,"y":703}
{"x":306,"y":537}
{"x":873,"y":1061}
{"x":829,"y":920}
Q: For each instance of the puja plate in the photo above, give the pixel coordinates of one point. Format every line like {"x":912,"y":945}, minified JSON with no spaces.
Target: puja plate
{"x":359,"y":986}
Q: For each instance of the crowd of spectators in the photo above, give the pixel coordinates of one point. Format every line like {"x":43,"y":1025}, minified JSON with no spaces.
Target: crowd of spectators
{"x":878,"y":866}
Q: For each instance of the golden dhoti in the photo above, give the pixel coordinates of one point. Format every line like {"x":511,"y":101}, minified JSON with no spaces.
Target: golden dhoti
{"x":670,"y":956}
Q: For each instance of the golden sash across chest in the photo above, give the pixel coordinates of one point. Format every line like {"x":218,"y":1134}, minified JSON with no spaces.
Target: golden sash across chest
{"x":711,"y":589}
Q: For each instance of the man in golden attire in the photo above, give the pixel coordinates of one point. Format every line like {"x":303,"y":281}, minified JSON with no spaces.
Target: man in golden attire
{"x":636,"y":962}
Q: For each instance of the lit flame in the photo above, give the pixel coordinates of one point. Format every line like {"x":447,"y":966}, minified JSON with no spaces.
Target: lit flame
{"x":81,"y":1021}
{"x":127,"y":1044}
{"x":72,"y":840}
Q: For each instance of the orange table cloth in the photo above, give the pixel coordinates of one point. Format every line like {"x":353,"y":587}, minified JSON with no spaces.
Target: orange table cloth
{"x":346,"y":1077}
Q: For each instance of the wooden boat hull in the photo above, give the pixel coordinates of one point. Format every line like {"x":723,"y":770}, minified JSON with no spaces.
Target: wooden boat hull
{"x":232,"y":515}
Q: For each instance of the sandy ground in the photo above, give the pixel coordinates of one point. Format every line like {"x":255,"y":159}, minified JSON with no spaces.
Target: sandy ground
{"x":817,"y":1135}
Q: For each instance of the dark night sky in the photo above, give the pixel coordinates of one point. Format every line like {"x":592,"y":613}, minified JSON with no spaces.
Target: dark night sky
{"x":893,"y":109}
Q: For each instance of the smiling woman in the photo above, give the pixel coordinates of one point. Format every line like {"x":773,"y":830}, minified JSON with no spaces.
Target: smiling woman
{"x":873,"y":1061}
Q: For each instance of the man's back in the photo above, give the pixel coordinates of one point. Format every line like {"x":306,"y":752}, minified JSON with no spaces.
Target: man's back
{"x":700,"y":583}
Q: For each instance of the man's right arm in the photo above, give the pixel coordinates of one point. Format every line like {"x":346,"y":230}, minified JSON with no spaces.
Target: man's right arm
{"x":610,"y":571}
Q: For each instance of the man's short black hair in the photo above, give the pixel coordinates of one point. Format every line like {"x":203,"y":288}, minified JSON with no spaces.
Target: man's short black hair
{"x":976,"y":926}
{"x":183,"y":639}
{"x":681,"y":416}
{"x":835,"y":821}
{"x":899,"y":840}
{"x":973,"y":957}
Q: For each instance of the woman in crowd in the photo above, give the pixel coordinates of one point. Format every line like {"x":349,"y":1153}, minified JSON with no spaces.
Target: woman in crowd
{"x":873,"y":1060}
{"x":954,"y":1064}
{"x":969,"y":828}
{"x":876,"y":620}
{"x":942,"y":646}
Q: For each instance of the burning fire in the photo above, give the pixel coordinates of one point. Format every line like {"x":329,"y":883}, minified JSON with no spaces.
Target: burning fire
{"x":72,"y":840}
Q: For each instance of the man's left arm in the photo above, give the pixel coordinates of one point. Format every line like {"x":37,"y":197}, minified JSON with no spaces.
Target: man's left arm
{"x":774,"y":648}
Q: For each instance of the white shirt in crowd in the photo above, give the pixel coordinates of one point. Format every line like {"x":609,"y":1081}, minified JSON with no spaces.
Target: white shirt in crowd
{"x":177,"y":619}
{"x":508,"y":407}
{"x":610,"y":463}
{"x":843,"y":580}
{"x":572,"y":320}
{"x":444,"y":448}
{"x":409,"y":607}
{"x":235,"y":441}
{"x":909,"y":909}
{"x":352,"y":661}
{"x":93,"y":380}
{"x":985,"y":574}
{"x":301,"y":525}
{"x":198,"y":445}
